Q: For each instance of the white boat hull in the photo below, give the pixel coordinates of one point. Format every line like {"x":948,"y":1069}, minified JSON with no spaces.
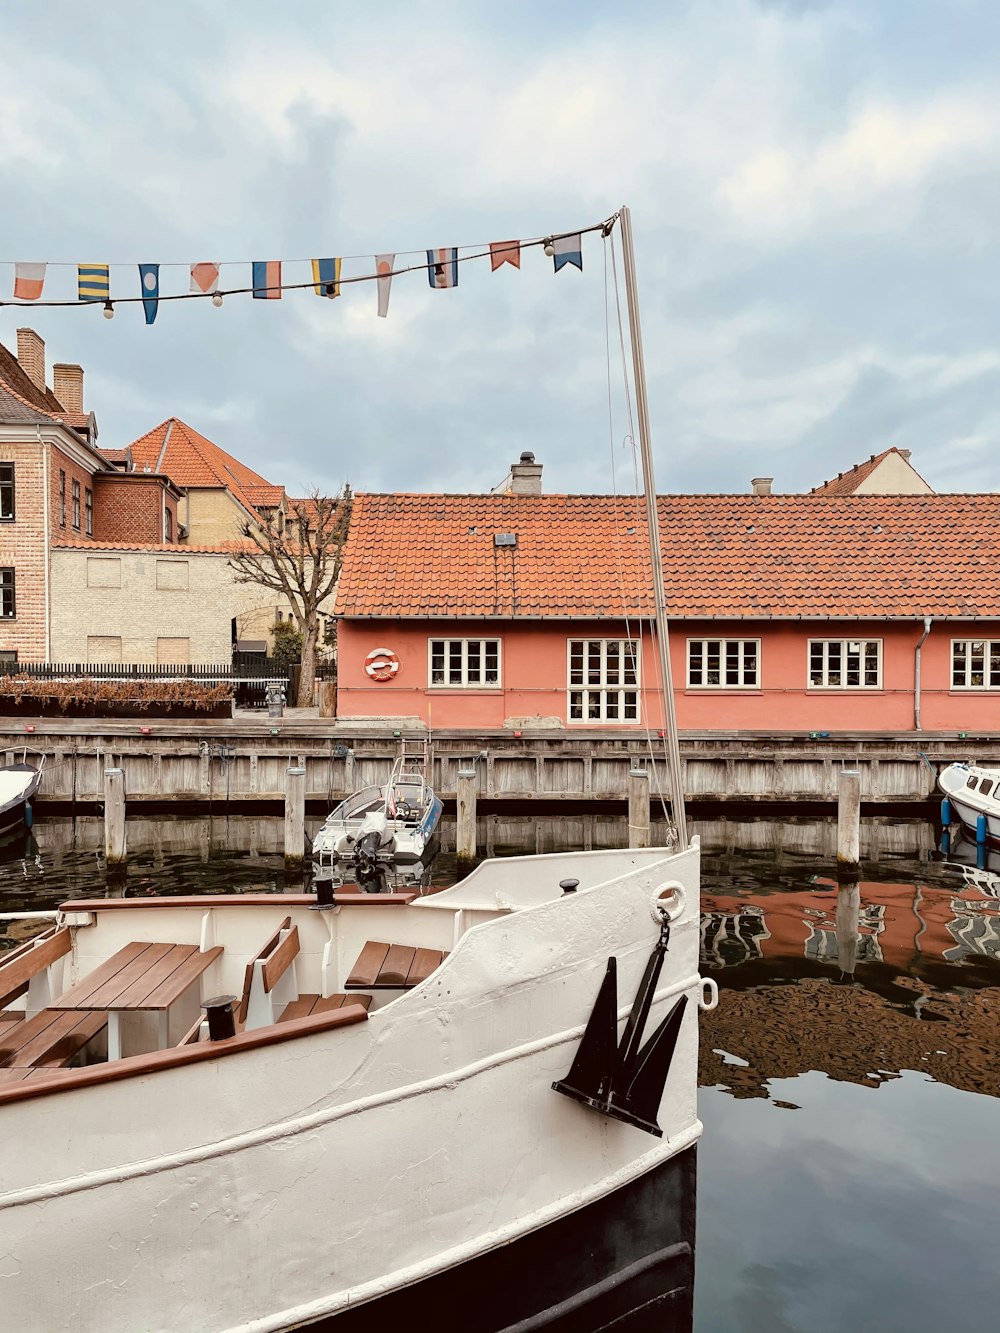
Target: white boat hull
{"x":275,"y":1187}
{"x":968,"y":803}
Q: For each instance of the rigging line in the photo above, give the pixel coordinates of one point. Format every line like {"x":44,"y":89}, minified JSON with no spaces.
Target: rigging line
{"x":667,"y":684}
{"x":223,"y":263}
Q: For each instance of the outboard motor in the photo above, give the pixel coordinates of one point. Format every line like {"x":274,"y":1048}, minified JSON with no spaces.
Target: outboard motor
{"x":373,"y":837}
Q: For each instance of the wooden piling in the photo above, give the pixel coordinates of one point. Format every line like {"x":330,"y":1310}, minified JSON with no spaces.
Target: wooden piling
{"x":849,"y":822}
{"x":465,"y":831}
{"x":638,"y":807}
{"x":114,"y":817}
{"x":328,"y":698}
{"x":295,"y":818}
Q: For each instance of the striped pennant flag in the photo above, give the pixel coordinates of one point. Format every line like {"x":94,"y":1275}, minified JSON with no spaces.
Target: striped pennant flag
{"x":205,"y":278}
{"x":29,"y":279}
{"x":326,"y":276}
{"x":442,"y":267}
{"x":92,"y":282}
{"x":267,"y":279}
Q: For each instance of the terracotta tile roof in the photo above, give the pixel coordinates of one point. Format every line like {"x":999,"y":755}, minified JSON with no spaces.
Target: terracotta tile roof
{"x":170,"y":548}
{"x":189,"y":459}
{"x":739,"y":556}
{"x":114,"y":455}
{"x":267,"y":496}
{"x":847,"y":483}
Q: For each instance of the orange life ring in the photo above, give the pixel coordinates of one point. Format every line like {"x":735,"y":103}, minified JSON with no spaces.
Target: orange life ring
{"x":381,"y":664}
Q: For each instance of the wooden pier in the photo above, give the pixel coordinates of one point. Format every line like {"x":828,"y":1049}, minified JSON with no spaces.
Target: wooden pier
{"x":244,"y":760}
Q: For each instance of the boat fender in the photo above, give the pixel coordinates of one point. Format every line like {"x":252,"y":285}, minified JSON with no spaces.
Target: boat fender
{"x":945,"y":812}
{"x":709,"y":997}
{"x":668,"y":902}
{"x":982,"y":829}
{"x":29,"y":815}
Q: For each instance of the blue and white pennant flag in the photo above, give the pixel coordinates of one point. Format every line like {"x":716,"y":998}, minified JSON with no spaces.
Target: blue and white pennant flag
{"x":567,"y":250}
{"x":149,"y":281}
{"x":442,"y":267}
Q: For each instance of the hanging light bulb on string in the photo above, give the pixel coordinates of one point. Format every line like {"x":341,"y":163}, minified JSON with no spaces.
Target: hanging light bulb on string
{"x":217,"y":299}
{"x":548,"y":247}
{"x":109,"y":310}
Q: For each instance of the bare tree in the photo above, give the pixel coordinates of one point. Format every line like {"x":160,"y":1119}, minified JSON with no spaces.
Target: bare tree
{"x":299,"y":555}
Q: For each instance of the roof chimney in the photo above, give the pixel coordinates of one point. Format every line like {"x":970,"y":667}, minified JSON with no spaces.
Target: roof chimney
{"x":526,"y":475}
{"x":67,"y":385}
{"x":762,"y":485}
{"x":31,"y":355}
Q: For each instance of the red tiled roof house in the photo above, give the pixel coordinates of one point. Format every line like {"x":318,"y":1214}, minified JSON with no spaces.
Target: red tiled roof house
{"x":788,"y":612}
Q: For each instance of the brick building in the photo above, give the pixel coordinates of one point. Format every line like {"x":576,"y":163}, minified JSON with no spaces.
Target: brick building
{"x":56,"y":485}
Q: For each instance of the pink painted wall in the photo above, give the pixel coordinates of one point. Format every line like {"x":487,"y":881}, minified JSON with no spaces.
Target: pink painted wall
{"x":534,"y":672}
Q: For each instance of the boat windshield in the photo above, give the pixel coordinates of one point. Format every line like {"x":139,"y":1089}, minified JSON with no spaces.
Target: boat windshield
{"x":360,"y":803}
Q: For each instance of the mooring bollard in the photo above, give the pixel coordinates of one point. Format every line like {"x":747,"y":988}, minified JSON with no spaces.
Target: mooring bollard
{"x":295,"y":818}
{"x":465,"y":802}
{"x":638,"y":807}
{"x":114,"y":817}
{"x":849,"y":822}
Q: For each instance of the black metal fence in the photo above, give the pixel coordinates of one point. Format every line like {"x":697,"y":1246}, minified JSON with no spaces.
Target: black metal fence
{"x":249,"y":673}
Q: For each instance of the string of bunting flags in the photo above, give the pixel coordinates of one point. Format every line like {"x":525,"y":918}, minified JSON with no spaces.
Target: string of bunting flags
{"x":93,"y":281}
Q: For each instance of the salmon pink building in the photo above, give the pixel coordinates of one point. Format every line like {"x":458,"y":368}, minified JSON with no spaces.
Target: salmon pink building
{"x":789,"y":613}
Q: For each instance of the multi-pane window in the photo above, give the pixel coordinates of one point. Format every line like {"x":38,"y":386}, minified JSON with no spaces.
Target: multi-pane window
{"x":7,"y":606}
{"x":723,"y":663}
{"x":62,"y":497}
{"x":465,"y":661}
{"x":845,"y":664}
{"x":88,"y":497}
{"x":975,"y":664}
{"x":603,"y":680}
{"x":76,"y":505}
{"x":6,"y":490}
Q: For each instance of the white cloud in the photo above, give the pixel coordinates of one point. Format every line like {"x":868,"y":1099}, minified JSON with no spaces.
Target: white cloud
{"x":870,"y":175}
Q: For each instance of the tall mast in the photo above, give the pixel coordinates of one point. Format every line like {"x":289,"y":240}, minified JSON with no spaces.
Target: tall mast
{"x":652,"y":518}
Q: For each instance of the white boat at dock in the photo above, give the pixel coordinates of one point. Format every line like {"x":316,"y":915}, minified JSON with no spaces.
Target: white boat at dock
{"x":385,"y":1114}
{"x":974,"y":792}
{"x":18,"y":784}
{"x":379,"y":826}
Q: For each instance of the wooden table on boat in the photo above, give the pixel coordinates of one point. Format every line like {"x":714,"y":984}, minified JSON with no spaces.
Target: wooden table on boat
{"x":141,"y":976}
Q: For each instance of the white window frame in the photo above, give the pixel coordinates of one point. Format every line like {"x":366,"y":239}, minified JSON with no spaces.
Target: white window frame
{"x":724,"y":645}
{"x":847,"y":650}
{"x":990,"y":650}
{"x":605,"y":688}
{"x":464,"y":683}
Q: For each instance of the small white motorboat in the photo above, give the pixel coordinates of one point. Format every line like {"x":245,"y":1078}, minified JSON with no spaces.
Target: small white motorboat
{"x":378,"y":826}
{"x":18,"y":785}
{"x":974,"y":793}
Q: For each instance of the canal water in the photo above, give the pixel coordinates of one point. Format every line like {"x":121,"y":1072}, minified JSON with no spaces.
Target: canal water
{"x":848,"y":1176}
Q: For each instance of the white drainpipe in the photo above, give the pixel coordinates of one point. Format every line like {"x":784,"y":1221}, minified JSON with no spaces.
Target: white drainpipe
{"x":928,"y":621}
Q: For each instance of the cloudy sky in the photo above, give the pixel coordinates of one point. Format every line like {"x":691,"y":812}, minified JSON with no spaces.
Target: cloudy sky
{"x":815,"y":191}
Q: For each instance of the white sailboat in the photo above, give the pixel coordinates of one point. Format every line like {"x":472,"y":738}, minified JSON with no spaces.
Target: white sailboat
{"x":472,"y":1109}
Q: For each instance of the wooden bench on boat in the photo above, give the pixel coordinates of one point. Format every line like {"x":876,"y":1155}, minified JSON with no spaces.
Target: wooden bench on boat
{"x":392,"y":966}
{"x":34,"y":970}
{"x":38,"y":1037}
{"x":270,"y":989}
